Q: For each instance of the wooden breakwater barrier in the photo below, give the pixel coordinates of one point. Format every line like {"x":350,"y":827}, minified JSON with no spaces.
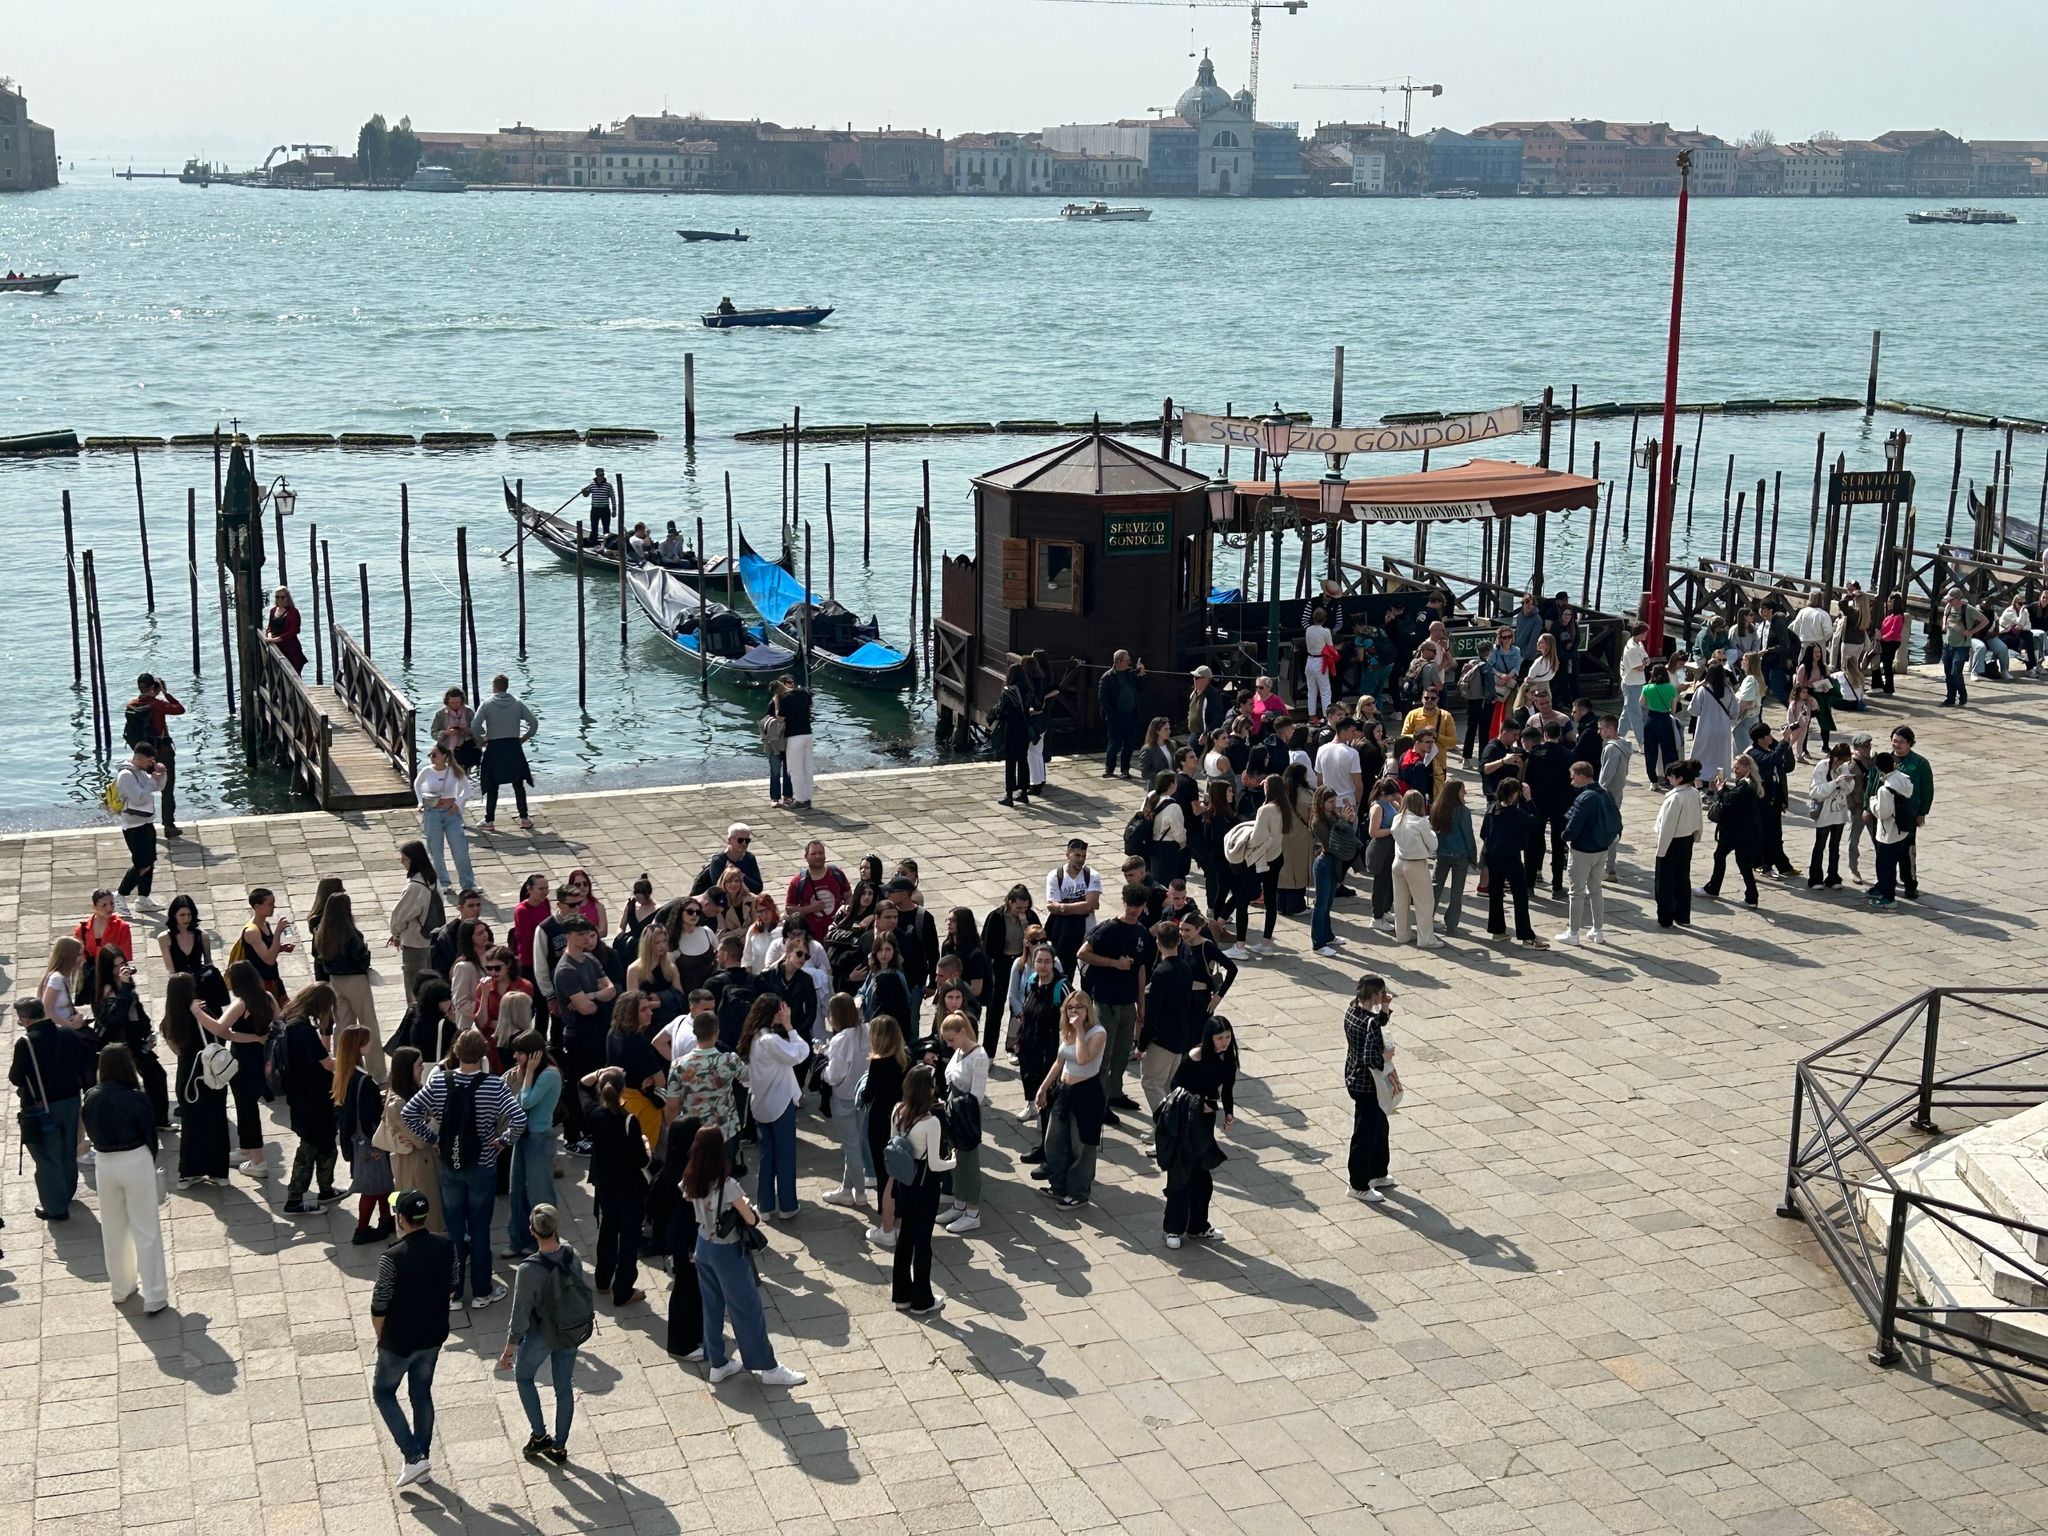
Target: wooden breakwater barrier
{"x":69,"y":442}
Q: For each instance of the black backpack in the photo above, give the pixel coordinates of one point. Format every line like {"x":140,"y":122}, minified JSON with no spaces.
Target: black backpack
{"x":461,"y":1145}
{"x":138,"y":726}
{"x":1138,"y":835}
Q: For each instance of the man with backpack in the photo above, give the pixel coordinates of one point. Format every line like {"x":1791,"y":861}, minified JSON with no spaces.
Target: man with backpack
{"x":553,"y":1314}
{"x":1591,"y":827}
{"x":817,"y":891}
{"x":411,"y":1325}
{"x":136,"y":789}
{"x":470,"y":1117}
{"x":1118,"y":955}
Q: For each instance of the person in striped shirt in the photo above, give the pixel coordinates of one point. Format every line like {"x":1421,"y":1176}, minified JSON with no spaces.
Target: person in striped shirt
{"x":469,"y":1117}
{"x":600,"y":493}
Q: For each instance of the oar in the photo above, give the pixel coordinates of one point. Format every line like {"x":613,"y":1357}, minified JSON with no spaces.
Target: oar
{"x":506,"y":552}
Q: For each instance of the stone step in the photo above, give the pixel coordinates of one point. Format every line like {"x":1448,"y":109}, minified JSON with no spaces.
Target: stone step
{"x":2007,"y":1177}
{"x":2003,"y":1258}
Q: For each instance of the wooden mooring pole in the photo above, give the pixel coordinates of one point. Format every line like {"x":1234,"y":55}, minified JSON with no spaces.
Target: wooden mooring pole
{"x":71,"y":594}
{"x":731,"y":550}
{"x":1592,"y":533}
{"x":689,"y":400}
{"x":867,"y":483}
{"x":405,"y":570}
{"x":622,"y":560}
{"x":582,"y":685}
{"x":1606,"y":527}
{"x":1955,"y":485}
{"x":313,"y":581}
{"x":1870,"y":389}
{"x":1777,"y":501}
{"x":327,"y":589}
{"x":192,"y":567}
{"x":92,"y":660}
{"x":462,"y":627}
{"x":519,"y":554}
{"x":1693,"y":481}
{"x":363,"y":590}
{"x":1756,"y":537}
{"x":1820,"y":464}
{"x":831,"y":549}
{"x":703,"y":609}
{"x":1628,"y":492}
{"x":142,"y":528}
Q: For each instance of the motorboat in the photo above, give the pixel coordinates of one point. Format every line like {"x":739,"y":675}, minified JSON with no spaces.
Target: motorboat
{"x":1961,"y":216}
{"x":434,"y":178}
{"x":733,"y":319}
{"x":1453,"y":194}
{"x":1102,"y":213}
{"x":36,"y":282}
{"x":708,"y":636}
{"x":694,"y":236}
{"x":842,"y":645}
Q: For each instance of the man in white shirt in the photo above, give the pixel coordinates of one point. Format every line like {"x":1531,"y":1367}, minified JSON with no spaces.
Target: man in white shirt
{"x":1813,"y":624}
{"x":137,"y":784}
{"x":1635,"y":656}
{"x":1337,"y":766}
{"x":1072,"y":893}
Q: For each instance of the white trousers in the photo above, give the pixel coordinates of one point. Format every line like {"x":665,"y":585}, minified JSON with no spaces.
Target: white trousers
{"x":130,"y":1234}
{"x":1414,"y":903}
{"x":798,"y":750}
{"x":1034,"y":758}
{"x":1318,"y":688}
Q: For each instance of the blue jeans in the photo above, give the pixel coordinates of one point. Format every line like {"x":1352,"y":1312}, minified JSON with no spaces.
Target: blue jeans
{"x":1631,"y":711}
{"x":1123,"y":737}
{"x":1982,"y":652}
{"x":1320,"y":932}
{"x":849,"y":1125}
{"x":533,"y":1349}
{"x":776,"y":1189}
{"x":417,"y":1371}
{"x":437,"y":827}
{"x":1955,"y":671}
{"x":467,"y":1195}
{"x":56,"y":1158}
{"x":727,"y":1282}
{"x":1778,"y":680}
{"x":778,"y":776}
{"x":533,"y":1183}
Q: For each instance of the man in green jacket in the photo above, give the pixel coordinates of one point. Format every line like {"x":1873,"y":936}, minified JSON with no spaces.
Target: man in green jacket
{"x":1916,"y":768}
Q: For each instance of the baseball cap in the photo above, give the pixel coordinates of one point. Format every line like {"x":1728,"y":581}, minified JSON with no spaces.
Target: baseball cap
{"x":1204,"y":672}
{"x":1860,"y":739}
{"x":412,"y":1205}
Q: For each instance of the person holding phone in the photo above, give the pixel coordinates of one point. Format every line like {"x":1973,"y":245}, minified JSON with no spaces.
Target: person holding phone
{"x":1368,"y":1059}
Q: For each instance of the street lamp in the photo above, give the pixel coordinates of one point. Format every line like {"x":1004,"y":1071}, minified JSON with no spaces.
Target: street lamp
{"x":1275,"y":435}
{"x":282,"y":497}
{"x":1330,"y":503}
{"x":1222,"y":499}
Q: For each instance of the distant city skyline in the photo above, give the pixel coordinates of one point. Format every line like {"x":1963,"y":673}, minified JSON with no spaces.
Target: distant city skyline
{"x":228,"y":78}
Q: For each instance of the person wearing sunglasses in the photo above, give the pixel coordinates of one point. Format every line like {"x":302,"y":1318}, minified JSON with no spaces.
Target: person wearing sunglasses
{"x":738,"y":854}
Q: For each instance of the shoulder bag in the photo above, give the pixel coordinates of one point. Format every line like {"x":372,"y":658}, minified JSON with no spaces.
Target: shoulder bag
{"x":35,"y":1119}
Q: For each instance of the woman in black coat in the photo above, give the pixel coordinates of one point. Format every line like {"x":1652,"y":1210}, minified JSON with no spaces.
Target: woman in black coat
{"x":686,"y":1297}
{"x":1013,"y":720}
{"x":1504,"y":839}
{"x":1738,"y":829}
{"x":122,"y":1020}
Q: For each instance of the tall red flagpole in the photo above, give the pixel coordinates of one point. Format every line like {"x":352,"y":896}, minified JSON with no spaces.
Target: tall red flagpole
{"x":1667,"y":479}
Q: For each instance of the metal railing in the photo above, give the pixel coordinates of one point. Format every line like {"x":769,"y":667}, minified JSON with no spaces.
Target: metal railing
{"x":1860,"y":1106}
{"x":386,"y":715}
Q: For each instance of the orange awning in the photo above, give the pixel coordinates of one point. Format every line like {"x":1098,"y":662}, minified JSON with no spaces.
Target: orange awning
{"x":1481,"y":488}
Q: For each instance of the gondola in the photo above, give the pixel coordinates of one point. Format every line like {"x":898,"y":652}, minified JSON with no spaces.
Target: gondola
{"x":559,"y":535}
{"x":842,"y":647}
{"x":708,"y":636}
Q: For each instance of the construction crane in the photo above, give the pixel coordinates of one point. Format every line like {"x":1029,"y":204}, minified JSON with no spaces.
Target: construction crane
{"x":1407,"y":87}
{"x":1256,"y":7}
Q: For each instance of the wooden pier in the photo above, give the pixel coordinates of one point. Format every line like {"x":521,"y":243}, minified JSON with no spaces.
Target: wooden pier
{"x":350,"y":746}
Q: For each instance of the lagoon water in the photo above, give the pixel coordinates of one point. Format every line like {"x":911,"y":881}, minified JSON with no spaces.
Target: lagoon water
{"x":335,"y":312}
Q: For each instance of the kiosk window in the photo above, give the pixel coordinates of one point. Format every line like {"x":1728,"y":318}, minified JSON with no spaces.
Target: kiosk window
{"x":1056,"y":576}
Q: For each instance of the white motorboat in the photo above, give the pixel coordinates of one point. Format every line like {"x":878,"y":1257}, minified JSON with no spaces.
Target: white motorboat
{"x":1454,"y":194}
{"x":1961,"y":216}
{"x":1102,"y":213}
{"x":434,"y":178}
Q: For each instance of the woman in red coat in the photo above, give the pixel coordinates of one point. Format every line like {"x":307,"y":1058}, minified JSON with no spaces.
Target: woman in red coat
{"x":281,"y":629}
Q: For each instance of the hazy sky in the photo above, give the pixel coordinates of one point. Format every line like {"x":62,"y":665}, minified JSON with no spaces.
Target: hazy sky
{"x":228,"y":78}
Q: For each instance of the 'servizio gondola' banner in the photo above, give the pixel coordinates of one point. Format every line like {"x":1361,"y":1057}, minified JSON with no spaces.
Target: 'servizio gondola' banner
{"x":1303,"y":437}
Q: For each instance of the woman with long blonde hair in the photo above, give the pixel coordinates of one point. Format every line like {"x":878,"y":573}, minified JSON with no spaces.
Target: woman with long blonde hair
{"x":1072,"y":1101}
{"x":888,"y":1062}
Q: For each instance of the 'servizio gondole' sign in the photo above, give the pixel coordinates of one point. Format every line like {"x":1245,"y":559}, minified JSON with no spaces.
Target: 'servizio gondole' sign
{"x":1137,"y":533}
{"x":1406,"y":437}
{"x":1870,"y":487}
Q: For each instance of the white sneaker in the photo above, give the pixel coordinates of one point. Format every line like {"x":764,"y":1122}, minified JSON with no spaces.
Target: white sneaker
{"x":1237,"y":952}
{"x":696,"y":1356}
{"x":1383,"y":1183}
{"x":881,"y":1239}
{"x":1595,"y":936}
{"x":1369,"y":1196}
{"x":781,"y":1376}
{"x":1173,"y":1239}
{"x":840,"y":1197}
{"x":1385,"y":924}
{"x":499,"y":1291}
{"x":1271,"y":947}
{"x":953,"y":1208}
{"x":188,"y":1183}
{"x":1327,"y":951}
{"x":968,"y":1221}
{"x":257,"y":1169}
{"x":415,"y":1472}
{"x":732,"y":1367}
{"x":1569,"y":938}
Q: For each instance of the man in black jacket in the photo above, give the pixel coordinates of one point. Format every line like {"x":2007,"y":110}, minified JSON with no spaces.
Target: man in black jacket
{"x":1549,"y":777}
{"x":737,"y":852}
{"x":1172,"y":1024}
{"x":409,"y":1310}
{"x":1773,"y":759}
{"x":1121,"y":695}
{"x":441,"y":956}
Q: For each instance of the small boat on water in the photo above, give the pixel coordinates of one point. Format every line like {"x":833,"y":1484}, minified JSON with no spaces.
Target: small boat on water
{"x":2022,"y":538}
{"x":558,"y":534}
{"x":696,"y":235}
{"x":730,"y":319}
{"x":434,"y":178}
{"x":1102,"y":213}
{"x":1961,"y":216}
{"x":842,"y":647}
{"x":708,"y":636}
{"x":1454,"y":194}
{"x":36,"y":282}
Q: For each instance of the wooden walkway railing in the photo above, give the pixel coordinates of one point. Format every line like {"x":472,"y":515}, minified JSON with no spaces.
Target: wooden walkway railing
{"x":351,"y":746}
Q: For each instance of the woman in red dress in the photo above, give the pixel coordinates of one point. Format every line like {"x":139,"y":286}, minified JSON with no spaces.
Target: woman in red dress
{"x":281,"y":628}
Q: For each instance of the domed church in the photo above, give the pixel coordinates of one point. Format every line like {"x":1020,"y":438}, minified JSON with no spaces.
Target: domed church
{"x":1211,"y":146}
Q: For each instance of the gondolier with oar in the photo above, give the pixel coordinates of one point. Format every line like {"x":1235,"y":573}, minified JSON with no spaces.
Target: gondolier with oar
{"x":600,"y":493}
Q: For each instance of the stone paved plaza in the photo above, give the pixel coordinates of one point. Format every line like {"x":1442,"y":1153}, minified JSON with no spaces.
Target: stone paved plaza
{"x":1579,"y":1314}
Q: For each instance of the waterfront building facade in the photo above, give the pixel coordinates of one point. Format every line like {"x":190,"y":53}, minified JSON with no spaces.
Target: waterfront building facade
{"x":998,"y":164}
{"x":1490,"y":167}
{"x":28,"y":150}
{"x":1211,"y":145}
{"x":1102,"y":177}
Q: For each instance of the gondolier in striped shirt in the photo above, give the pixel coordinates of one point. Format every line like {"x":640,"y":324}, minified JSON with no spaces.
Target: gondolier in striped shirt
{"x":600,"y":493}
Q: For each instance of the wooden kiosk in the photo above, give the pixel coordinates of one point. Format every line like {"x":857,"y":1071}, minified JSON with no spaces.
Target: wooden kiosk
{"x":1080,"y":550}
